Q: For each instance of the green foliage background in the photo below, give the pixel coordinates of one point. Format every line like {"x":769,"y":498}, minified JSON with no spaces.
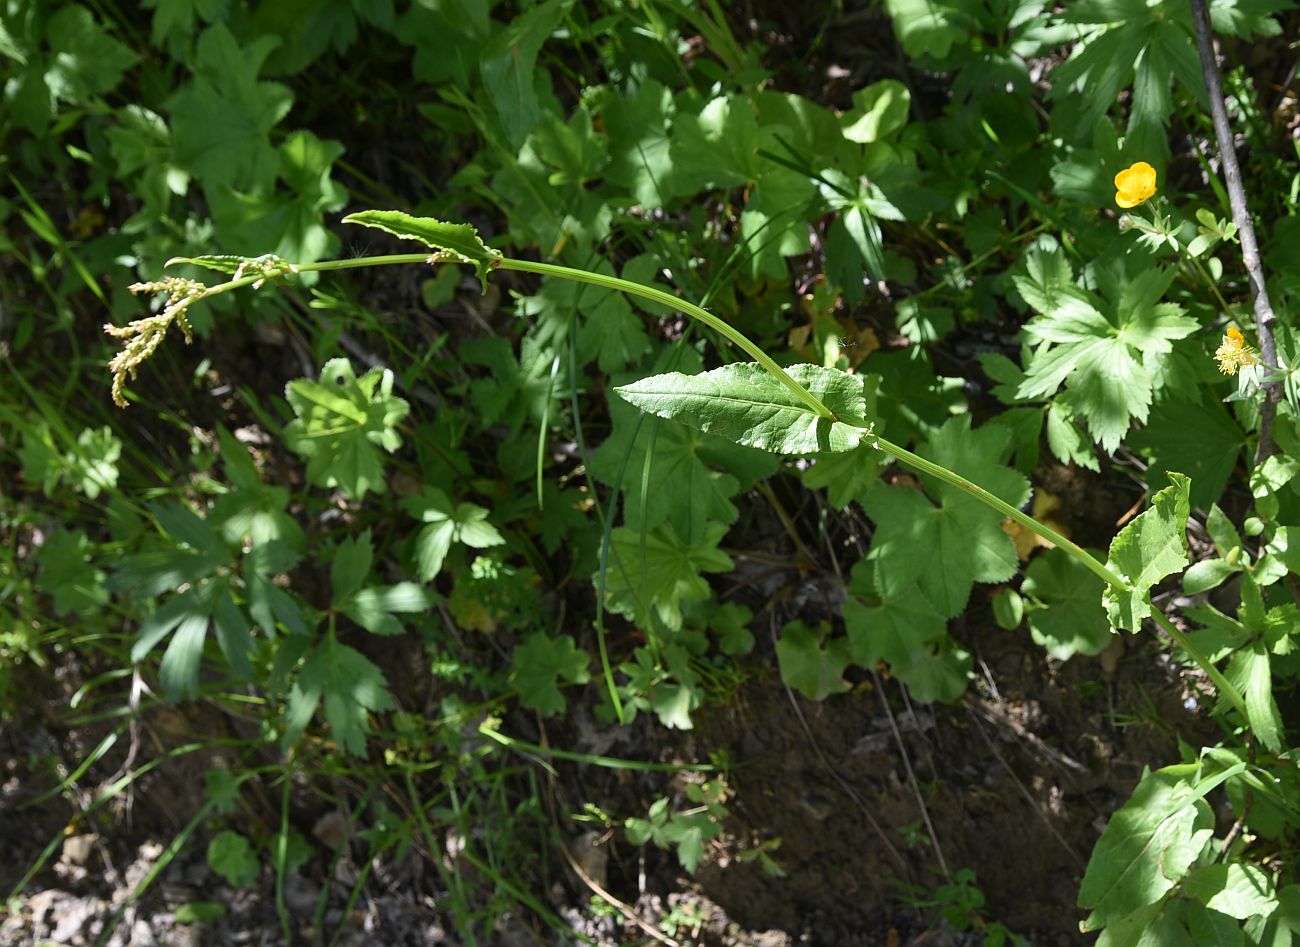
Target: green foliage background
{"x":377,"y":518}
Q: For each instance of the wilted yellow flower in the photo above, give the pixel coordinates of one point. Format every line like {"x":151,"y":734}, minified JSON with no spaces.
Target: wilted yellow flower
{"x":1135,"y":184}
{"x":1234,"y":353}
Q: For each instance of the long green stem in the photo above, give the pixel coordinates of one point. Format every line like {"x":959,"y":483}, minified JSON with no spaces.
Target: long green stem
{"x":1203,"y":662}
{"x":813,"y":402}
{"x":1005,"y":508}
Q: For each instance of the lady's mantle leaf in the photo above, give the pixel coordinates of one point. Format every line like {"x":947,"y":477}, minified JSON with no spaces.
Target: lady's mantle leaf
{"x":811,"y":669}
{"x":1146,"y":550}
{"x":460,"y":243}
{"x":745,"y":404}
{"x":342,"y":421}
{"x":538,"y":665}
{"x":1065,"y":615}
{"x":653,"y":573}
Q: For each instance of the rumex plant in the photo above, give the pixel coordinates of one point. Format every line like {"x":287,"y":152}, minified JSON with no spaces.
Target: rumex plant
{"x":839,"y":258}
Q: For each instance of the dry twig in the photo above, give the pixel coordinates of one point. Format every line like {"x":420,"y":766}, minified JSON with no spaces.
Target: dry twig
{"x":1264,"y":316}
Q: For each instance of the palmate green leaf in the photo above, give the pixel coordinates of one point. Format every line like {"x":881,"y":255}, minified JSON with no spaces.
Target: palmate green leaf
{"x":907,"y":633}
{"x":1200,"y":438}
{"x":1066,"y":617}
{"x":745,"y":404}
{"x":351,"y":687}
{"x":938,"y":672}
{"x":945,"y":549}
{"x":609,"y":333}
{"x":811,"y":664}
{"x":342,"y":423}
{"x":513,"y":390}
{"x":1151,"y":547}
{"x":1130,"y":41}
{"x":459,"y":243}
{"x":537,"y":667}
{"x":288,"y":221}
{"x":448,"y":523}
{"x":189,"y":615}
{"x":231,"y":856}
{"x":894,"y":629}
{"x":1110,"y":366}
{"x":672,"y":473}
{"x":651,"y":574}
{"x":222,"y":119}
{"x":92,"y":464}
{"x":1149,"y":843}
{"x":637,"y":129}
{"x":85,"y":60}
{"x":67,"y":574}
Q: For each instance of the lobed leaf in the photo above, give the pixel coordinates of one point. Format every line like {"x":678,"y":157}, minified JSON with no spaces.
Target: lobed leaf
{"x":1146,"y":550}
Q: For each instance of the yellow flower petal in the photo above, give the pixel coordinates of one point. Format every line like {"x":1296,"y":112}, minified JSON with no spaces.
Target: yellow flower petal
{"x":1234,"y":353}
{"x":1135,"y":184}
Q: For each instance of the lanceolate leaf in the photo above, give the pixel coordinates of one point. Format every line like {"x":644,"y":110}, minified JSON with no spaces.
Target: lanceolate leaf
{"x":1151,"y":547}
{"x":1149,"y":844}
{"x":460,"y":242}
{"x":744,"y":403}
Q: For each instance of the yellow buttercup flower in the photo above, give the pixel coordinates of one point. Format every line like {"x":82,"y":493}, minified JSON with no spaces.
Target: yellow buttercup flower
{"x":1234,"y":353}
{"x":1135,"y":184}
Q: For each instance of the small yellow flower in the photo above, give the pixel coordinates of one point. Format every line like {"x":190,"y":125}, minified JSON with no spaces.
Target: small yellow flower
{"x":1135,"y":184}
{"x":1234,"y":353}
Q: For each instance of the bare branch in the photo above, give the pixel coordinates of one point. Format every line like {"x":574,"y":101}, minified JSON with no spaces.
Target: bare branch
{"x":1264,"y":317}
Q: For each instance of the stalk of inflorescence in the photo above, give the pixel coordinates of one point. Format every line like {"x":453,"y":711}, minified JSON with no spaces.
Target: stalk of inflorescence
{"x":180,"y":303}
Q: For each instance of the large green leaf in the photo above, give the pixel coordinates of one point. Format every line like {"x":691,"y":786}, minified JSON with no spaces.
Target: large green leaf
{"x":744,"y":403}
{"x":1149,"y":844}
{"x":1066,"y":616}
{"x":811,"y":664}
{"x":342,"y":423}
{"x":893,"y":629}
{"x":1146,"y":550}
{"x":1199,"y":439}
{"x":537,"y":666}
{"x":349,"y":684}
{"x":222,"y":119}
{"x":653,"y":573}
{"x":456,"y":243}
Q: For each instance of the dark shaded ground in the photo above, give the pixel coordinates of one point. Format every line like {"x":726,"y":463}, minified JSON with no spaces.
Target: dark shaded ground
{"x":1017,"y":781}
